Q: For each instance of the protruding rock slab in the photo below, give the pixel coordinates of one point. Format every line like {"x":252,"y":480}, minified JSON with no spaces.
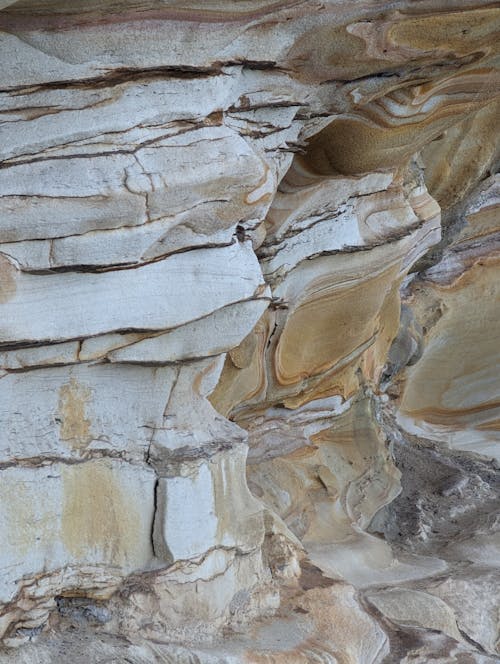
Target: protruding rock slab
{"x":150,"y":297}
{"x":207,"y":506}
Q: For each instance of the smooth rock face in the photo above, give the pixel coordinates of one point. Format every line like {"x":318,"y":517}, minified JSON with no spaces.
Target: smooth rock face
{"x":249,"y":323}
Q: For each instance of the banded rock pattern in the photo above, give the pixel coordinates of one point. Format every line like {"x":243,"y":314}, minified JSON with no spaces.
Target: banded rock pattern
{"x":248,"y":299}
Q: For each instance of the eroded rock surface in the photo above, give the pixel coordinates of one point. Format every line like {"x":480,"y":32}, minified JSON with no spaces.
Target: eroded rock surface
{"x":249,"y":325}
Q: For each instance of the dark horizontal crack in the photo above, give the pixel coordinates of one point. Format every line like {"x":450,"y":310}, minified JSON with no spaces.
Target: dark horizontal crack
{"x":149,"y":332}
{"x":255,"y":107}
{"x":122,"y":75}
{"x":160,"y":457}
{"x":132,"y":265}
{"x":46,"y":460}
{"x":126,"y":74}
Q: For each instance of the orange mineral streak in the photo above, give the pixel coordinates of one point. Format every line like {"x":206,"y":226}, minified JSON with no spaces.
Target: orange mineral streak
{"x":330,"y":324}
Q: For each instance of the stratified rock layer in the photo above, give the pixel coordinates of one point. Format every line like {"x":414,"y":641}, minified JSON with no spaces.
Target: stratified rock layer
{"x":249,"y":331}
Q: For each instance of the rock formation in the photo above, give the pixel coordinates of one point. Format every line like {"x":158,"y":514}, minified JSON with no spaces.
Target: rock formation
{"x":249,"y":324}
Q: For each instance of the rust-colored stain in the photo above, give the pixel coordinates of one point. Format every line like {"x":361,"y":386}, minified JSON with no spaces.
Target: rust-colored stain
{"x":74,"y":425}
{"x":7,"y":279}
{"x":97,"y":517}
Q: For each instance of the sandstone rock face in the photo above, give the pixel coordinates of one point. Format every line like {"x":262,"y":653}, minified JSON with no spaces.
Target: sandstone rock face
{"x":249,"y":324}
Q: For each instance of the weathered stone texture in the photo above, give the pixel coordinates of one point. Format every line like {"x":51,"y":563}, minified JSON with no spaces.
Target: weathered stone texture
{"x":249,"y":325}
